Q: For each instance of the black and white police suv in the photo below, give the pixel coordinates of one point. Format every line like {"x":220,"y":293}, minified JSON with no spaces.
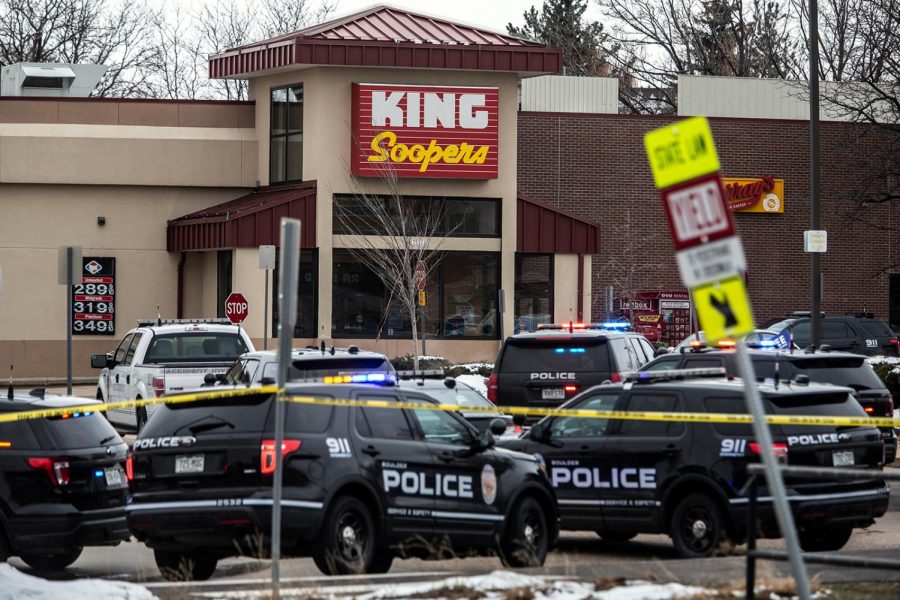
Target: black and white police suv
{"x":689,"y":480}
{"x":362,"y":485}
{"x":63,"y":482}
{"x":837,"y":368}
{"x":547,"y":367}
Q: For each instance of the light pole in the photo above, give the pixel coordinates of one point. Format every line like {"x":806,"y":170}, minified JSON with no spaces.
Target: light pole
{"x":814,"y":171}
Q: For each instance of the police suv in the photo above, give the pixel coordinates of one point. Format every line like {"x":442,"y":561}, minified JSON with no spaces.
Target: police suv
{"x":362,"y":485}
{"x":551,"y":365}
{"x":689,"y":480}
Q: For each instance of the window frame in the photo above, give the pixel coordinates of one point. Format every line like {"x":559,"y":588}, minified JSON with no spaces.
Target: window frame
{"x":443,"y":233}
{"x":288,"y":133}
{"x":679,"y":406}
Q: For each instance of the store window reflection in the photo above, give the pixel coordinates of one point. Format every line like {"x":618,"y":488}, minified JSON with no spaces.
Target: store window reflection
{"x":461,"y":299}
{"x":534,"y":291}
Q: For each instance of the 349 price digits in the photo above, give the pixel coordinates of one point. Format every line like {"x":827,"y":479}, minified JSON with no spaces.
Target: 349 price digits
{"x":99,"y":326}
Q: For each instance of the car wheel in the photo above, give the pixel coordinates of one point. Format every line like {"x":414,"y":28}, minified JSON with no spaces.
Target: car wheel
{"x":140,"y":415}
{"x":52,"y":562}
{"x":526,"y":540}
{"x":5,"y":550}
{"x":824,"y":539}
{"x":698,"y":527}
{"x":616,"y":536}
{"x":185,"y":566}
{"x":346,"y":544}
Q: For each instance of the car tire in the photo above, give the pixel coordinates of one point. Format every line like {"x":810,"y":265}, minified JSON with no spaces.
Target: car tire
{"x":824,"y":539}
{"x":140,"y":416}
{"x":347,"y":543}
{"x":49,"y":563}
{"x":185,"y":566}
{"x":526,"y":540}
{"x":697,"y":527}
{"x":616,"y":536}
{"x":5,"y":550}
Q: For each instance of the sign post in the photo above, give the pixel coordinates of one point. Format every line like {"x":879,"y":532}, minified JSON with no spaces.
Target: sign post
{"x":266,"y":263}
{"x":288,"y":279}
{"x":69,"y":271}
{"x":685,"y":166}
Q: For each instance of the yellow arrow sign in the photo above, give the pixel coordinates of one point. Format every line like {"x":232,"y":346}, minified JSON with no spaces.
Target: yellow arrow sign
{"x":723,"y":309}
{"x":681,"y":152}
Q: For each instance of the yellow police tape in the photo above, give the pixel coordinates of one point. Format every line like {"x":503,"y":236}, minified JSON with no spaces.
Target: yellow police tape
{"x":683,"y":417}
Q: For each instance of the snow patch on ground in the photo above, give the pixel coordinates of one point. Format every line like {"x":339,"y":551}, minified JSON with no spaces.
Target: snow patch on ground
{"x":474,"y":381}
{"x":16,"y":585}
{"x":476,"y":367}
{"x":493,"y":586}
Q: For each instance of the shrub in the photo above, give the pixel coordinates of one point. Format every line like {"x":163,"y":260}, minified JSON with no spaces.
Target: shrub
{"x":405,"y":363}
{"x":890,"y":375}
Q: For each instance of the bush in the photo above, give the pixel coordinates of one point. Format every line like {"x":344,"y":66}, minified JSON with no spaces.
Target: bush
{"x":405,"y":363}
{"x":890,"y":375}
{"x":483,"y":369}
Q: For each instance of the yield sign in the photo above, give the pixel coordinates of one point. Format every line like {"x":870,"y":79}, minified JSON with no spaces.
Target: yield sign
{"x":697,"y":212}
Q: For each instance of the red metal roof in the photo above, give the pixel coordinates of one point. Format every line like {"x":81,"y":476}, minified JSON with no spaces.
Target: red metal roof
{"x":388,"y":37}
{"x":247,"y":222}
{"x":543,"y":228}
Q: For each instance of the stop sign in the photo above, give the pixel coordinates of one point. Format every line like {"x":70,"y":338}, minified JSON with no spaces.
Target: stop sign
{"x":236,"y":307}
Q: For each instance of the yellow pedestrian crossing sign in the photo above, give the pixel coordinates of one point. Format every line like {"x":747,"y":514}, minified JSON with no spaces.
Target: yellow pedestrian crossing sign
{"x":723,"y":309}
{"x":681,"y":152}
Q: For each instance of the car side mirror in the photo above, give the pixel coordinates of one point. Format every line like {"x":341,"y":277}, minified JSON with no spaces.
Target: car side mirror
{"x":539,"y":432}
{"x":497,"y":426}
{"x":209,"y":379}
{"x":486,"y":440}
{"x":98,"y":361}
{"x":661,"y":350}
{"x":519,"y":420}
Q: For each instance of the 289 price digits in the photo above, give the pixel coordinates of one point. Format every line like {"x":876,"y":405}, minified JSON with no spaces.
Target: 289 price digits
{"x":92,"y":289}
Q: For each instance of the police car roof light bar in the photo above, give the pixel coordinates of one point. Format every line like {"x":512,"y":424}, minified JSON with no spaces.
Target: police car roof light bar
{"x":651,"y":376}
{"x":157,"y":322}
{"x":428,"y":373}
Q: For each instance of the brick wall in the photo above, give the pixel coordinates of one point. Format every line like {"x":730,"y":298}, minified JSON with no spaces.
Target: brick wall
{"x":595,"y":166}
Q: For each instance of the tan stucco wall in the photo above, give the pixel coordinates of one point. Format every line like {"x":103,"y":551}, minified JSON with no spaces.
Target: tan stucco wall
{"x":565,"y":287}
{"x":326,"y":154}
{"x":37,"y":219}
{"x":586,"y":290}
{"x":249,"y":280}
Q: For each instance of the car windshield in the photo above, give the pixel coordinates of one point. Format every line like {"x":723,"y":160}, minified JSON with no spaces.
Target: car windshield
{"x":460,"y":396}
{"x":195,"y":347}
{"x":80,"y":430}
{"x":526,"y":356}
{"x":780,"y":325}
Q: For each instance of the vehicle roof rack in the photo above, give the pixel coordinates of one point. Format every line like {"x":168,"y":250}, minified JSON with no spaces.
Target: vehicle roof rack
{"x":155,"y":322}
{"x":862,"y":315}
{"x":806,"y":313}
{"x":673,"y":374}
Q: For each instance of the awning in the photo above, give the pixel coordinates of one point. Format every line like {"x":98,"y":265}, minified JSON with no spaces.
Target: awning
{"x":544,"y":228}
{"x":247,"y":222}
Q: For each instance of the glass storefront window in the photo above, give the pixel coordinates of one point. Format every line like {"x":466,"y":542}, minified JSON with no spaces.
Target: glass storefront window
{"x":286,"y":134}
{"x":461,"y":299}
{"x":534,"y":291}
{"x":307,"y":292}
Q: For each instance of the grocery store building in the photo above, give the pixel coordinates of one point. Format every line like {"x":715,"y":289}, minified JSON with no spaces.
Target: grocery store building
{"x":550,"y":203}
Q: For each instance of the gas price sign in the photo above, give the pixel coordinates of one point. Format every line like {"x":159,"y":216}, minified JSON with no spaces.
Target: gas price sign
{"x":94,"y":299}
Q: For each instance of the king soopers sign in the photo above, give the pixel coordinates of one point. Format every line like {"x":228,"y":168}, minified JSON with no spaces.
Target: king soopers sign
{"x":424,"y":131}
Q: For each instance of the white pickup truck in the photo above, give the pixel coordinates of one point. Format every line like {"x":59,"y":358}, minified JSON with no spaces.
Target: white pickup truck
{"x":163,"y":356}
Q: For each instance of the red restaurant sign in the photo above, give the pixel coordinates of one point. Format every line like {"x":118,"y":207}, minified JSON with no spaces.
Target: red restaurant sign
{"x":424,"y":131}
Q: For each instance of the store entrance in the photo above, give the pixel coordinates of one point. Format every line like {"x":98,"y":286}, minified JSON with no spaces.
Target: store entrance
{"x":894,"y":301}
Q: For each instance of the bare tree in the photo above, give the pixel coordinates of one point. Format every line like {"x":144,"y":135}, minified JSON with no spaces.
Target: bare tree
{"x":660,"y":39}
{"x":625,"y":269}
{"x":117,"y":34}
{"x":180,"y":62}
{"x":390,"y":235}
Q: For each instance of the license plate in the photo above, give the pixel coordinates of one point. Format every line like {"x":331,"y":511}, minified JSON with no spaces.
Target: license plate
{"x":113,"y":476}
{"x":189,"y":463}
{"x":843,"y":458}
{"x":553,"y":394}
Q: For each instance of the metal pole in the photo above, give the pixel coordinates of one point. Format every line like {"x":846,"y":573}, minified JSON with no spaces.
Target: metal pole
{"x":815,"y":190}
{"x":750,"y":584}
{"x":266,"y":315}
{"x":288,"y":278}
{"x":773,"y":475}
{"x":69,"y":282}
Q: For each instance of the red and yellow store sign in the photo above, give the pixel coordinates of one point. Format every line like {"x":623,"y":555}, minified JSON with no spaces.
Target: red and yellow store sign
{"x":757,"y":195}
{"x":424,"y":131}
